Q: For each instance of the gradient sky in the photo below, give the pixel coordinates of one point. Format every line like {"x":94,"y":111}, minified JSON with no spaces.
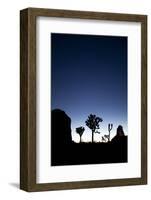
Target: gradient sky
{"x":89,"y":75}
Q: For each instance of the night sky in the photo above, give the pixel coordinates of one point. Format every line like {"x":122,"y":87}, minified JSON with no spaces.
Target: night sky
{"x":89,"y":75}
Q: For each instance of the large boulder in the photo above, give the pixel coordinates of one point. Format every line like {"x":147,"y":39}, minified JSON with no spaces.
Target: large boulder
{"x":120,"y":137}
{"x":60,"y":127}
{"x":60,"y":136}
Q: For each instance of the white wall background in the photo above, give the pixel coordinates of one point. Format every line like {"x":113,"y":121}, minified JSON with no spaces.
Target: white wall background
{"x":9,"y":98}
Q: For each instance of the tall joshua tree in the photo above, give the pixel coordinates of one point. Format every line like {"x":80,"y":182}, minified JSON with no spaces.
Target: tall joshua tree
{"x":80,"y":130}
{"x":93,"y":123}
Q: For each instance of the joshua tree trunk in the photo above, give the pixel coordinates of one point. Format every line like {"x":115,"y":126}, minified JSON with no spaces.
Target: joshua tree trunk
{"x":110,"y":126}
{"x":109,"y":137}
{"x":92,"y":136}
{"x":80,"y":138}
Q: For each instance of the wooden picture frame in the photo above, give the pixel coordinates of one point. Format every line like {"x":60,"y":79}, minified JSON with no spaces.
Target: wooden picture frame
{"x":28,"y":99}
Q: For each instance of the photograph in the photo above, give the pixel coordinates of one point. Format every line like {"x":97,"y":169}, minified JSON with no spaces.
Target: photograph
{"x":88,"y":99}
{"x":83,"y":99}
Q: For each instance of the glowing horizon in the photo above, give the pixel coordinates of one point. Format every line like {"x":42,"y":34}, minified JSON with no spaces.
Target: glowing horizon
{"x":87,"y":135}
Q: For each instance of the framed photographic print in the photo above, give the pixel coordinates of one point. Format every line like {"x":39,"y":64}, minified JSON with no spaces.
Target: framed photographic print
{"x":83,"y":99}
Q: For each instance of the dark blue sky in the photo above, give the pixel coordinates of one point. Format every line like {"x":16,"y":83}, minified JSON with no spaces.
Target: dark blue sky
{"x":89,"y":75}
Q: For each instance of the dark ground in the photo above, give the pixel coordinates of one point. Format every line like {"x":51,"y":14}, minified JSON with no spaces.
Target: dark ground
{"x":90,"y":153}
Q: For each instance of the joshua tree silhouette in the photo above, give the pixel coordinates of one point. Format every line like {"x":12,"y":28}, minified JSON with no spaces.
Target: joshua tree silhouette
{"x":80,"y":130}
{"x":93,"y":123}
{"x":110,"y":126}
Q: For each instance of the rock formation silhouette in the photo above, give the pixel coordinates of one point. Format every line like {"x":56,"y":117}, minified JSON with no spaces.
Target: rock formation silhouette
{"x":60,"y":133}
{"x":60,"y":127}
{"x":120,"y":136}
